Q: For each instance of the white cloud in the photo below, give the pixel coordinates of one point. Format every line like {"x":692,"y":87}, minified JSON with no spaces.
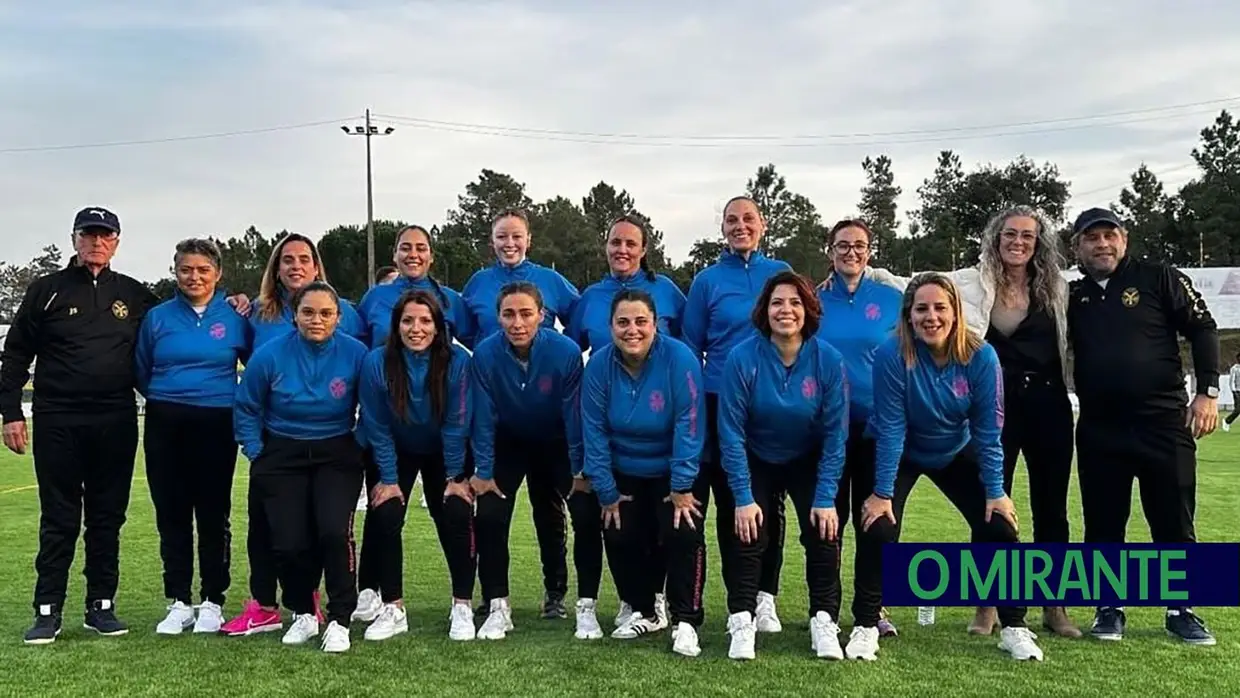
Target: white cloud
{"x":808,"y":68}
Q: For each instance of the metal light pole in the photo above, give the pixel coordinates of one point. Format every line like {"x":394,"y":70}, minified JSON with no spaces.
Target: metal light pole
{"x":368,"y":130}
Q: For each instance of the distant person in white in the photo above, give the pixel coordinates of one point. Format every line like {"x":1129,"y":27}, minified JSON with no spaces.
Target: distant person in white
{"x":1234,"y":381}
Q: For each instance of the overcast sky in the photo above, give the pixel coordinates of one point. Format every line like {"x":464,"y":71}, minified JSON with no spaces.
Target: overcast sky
{"x":84,"y":73}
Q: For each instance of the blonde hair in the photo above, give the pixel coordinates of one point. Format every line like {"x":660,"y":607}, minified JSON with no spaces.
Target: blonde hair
{"x":962,"y":342}
{"x":271,"y":292}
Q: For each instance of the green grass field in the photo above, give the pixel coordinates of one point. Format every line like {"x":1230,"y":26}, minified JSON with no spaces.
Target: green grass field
{"x":542,"y":658}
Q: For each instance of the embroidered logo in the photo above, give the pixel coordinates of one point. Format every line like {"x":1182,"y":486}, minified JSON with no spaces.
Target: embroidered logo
{"x":119,"y":310}
{"x":809,"y":387}
{"x":873,"y":312}
{"x":338,"y":388}
{"x":545,"y":385}
{"x":218,"y":331}
{"x":960,"y":386}
{"x":1130,"y":297}
{"x":657,"y":402}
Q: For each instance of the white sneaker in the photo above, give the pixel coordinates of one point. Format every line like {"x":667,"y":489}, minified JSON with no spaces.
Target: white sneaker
{"x":765,"y":617}
{"x":180,"y":617}
{"x":210,"y":618}
{"x":742,"y":628}
{"x":660,"y":608}
{"x":305,"y":626}
{"x":862,"y":644}
{"x":498,"y":622}
{"x":637,"y":626}
{"x":824,"y":636}
{"x":369,"y":606}
{"x":1226,"y":426}
{"x":925,"y":615}
{"x":391,"y":622}
{"x":685,"y":641}
{"x":461,"y":623}
{"x":335,"y":638}
{"x":1019,"y":642}
{"x":587,"y":621}
{"x":625,"y":612}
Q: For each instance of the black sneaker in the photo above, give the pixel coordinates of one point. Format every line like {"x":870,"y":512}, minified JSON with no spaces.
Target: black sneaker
{"x":46,"y":627}
{"x":553,"y":606}
{"x":1108,"y":624}
{"x":1185,"y":624}
{"x":101,"y":617}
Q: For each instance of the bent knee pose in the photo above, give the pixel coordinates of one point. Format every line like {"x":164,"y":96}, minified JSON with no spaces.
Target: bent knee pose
{"x":186,"y":361}
{"x":717,"y":318}
{"x":783,"y":423}
{"x":417,"y":407}
{"x":526,"y":429}
{"x":938,"y":412}
{"x":294,"y":418}
{"x":641,"y":411}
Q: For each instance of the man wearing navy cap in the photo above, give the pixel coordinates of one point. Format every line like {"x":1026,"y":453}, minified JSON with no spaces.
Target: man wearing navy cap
{"x":81,"y":322}
{"x":1124,"y":320}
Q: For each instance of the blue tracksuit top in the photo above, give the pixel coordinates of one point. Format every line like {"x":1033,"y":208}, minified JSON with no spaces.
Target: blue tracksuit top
{"x":376,"y":308}
{"x":783,"y":413}
{"x":266,"y":330}
{"x":536,"y":402}
{"x":649,"y":426}
{"x":298,"y":389}
{"x":590,"y":325}
{"x":929,"y":414}
{"x":481,"y":293}
{"x":418,"y":432}
{"x":183,"y":358}
{"x":855,"y":323}
{"x":719,"y":307}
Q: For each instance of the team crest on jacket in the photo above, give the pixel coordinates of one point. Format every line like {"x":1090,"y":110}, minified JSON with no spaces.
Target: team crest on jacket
{"x":808,"y":387}
{"x":119,"y":310}
{"x":960,"y":386}
{"x":218,"y":331}
{"x":545,"y":385}
{"x":338,"y":388}
{"x":873,"y":312}
{"x":1130,"y":297}
{"x":656,"y":401}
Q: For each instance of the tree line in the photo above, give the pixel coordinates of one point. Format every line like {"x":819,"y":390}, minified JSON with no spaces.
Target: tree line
{"x":1196,"y":225}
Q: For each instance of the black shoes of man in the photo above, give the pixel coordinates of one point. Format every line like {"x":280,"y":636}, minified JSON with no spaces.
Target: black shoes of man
{"x":100,"y":617}
{"x":1182,"y":623}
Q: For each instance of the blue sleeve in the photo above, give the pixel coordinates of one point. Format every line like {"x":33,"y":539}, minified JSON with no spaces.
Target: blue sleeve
{"x":483,"y":429}
{"x":247,"y":342}
{"x":377,"y":418}
{"x":676,"y":322}
{"x":458,"y":416}
{"x":690,"y":406}
{"x":250,"y":406}
{"x":889,"y":419}
{"x":833,"y":387}
{"x":574,"y":328}
{"x":986,"y":417}
{"x":354,"y":325}
{"x":144,"y":354}
{"x":572,"y":412}
{"x":470,"y":328}
{"x":733,"y":415}
{"x":466,"y":326}
{"x":696,"y":318}
{"x":595,"y":432}
{"x":567,"y":298}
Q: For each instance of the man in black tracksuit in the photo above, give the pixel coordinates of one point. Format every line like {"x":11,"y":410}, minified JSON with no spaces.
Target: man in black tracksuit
{"x":80,"y":323}
{"x":1124,"y":318}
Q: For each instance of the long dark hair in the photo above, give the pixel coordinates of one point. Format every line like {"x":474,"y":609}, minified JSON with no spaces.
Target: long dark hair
{"x":430,"y":245}
{"x":394,"y":373}
{"x":637,"y":222}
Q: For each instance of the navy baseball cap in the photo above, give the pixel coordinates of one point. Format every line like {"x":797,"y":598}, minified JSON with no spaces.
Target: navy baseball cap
{"x":96,"y":217}
{"x":1095,"y":216}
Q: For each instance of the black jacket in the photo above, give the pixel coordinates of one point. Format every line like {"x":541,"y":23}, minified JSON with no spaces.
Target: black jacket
{"x":82,"y":329}
{"x":1125,"y":343}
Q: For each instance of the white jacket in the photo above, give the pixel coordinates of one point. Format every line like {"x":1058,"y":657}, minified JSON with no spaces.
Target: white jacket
{"x":977,"y":295}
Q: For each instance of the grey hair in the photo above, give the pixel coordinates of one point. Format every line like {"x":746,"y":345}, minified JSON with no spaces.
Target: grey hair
{"x":1046,"y":280}
{"x":199,"y":246}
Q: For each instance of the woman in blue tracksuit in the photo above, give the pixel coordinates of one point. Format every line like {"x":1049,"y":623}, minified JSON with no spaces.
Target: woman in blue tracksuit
{"x":590,"y":326}
{"x":510,"y":240}
{"x":641,"y":412}
{"x":413,"y":256}
{"x":417,"y":407}
{"x":859,"y":315}
{"x":716,"y":319}
{"x":186,"y":360}
{"x":294,"y":263}
{"x":783,"y":423}
{"x":938,"y":412}
{"x":294,"y":418}
{"x":526,"y":426}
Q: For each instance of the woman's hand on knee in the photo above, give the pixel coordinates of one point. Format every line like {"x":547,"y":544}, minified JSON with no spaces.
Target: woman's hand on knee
{"x":748,"y":522}
{"x":827,"y":522}
{"x":481,"y":487}
{"x":611,"y":512}
{"x":381,"y":493}
{"x":876,"y":508}
{"x":458,"y":489}
{"x":1003,"y":506}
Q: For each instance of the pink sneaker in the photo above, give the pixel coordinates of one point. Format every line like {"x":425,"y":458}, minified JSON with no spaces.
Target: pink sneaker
{"x":318,"y":609}
{"x":253,"y":619}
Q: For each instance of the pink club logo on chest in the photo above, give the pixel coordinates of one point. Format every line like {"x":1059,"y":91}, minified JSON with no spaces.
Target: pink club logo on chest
{"x":657,"y":403}
{"x":960,"y":386}
{"x":809,"y":388}
{"x":873,"y":312}
{"x":338,"y":388}
{"x":218,"y":331}
{"x":545,"y":384}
